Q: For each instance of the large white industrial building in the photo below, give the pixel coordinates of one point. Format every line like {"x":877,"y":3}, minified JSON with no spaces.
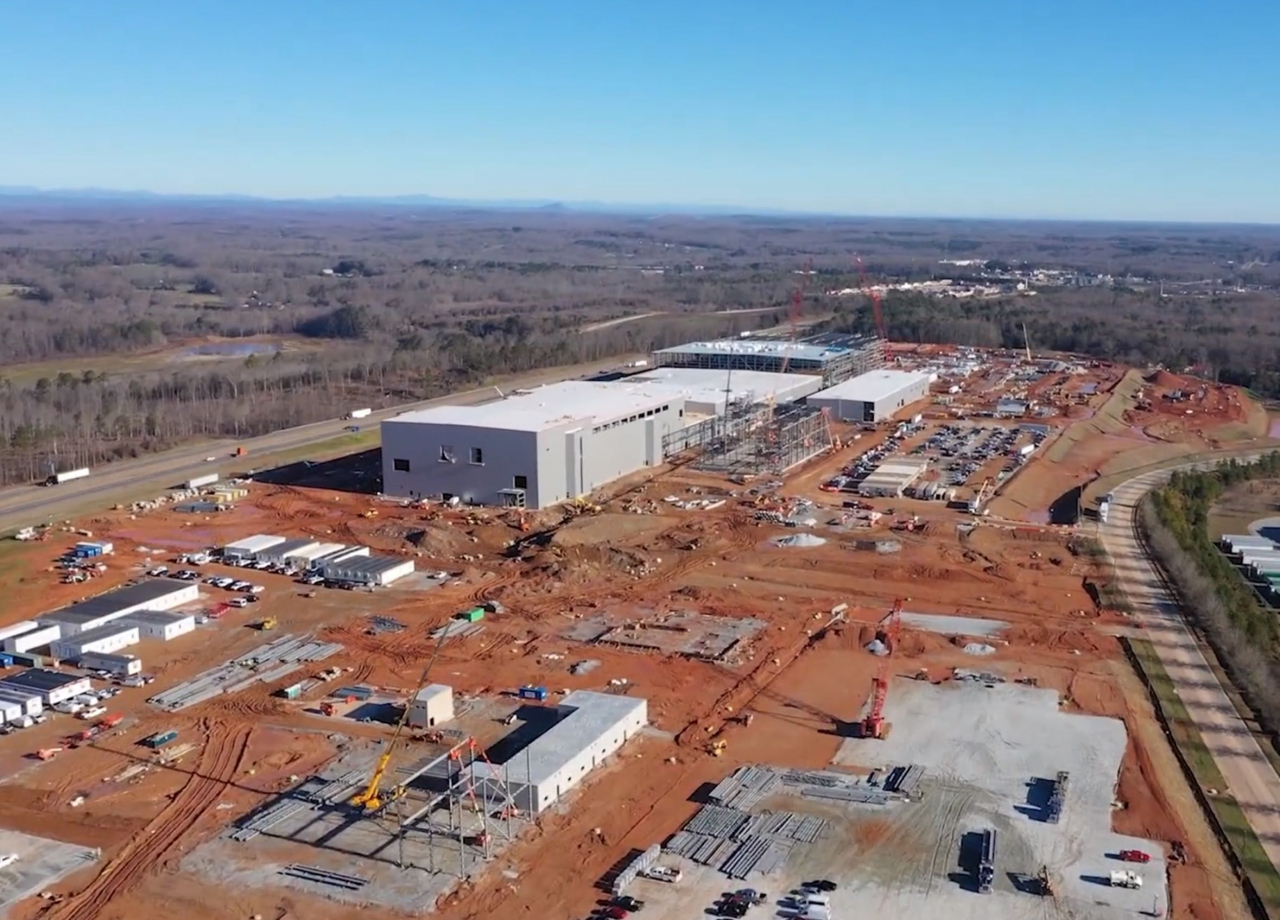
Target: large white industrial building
{"x":591,"y":726}
{"x":706,"y":391}
{"x":367,"y":570}
{"x":872,"y":397}
{"x":149,"y":594}
{"x":533,"y":449}
{"x":52,"y":686}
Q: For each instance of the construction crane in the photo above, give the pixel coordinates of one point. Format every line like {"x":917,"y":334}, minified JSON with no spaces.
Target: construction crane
{"x":1026,"y":342}
{"x":371,"y":798}
{"x":876,"y":311}
{"x":873,"y":725}
{"x":975,"y":503}
{"x":893,"y":626}
{"x":797,"y":300}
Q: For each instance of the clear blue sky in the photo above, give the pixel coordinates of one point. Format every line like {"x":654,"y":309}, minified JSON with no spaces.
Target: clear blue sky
{"x":1154,"y":109}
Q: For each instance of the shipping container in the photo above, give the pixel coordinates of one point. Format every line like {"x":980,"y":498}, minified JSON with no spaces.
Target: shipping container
{"x":360,"y":413}
{"x":6,"y":660}
{"x":292,"y":692}
{"x":476,"y":613}
{"x":161,"y":739}
{"x":196,"y":482}
{"x":533,"y":693}
{"x":59,"y":478}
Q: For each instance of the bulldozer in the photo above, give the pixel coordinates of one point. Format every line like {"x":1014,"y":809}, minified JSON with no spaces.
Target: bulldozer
{"x":266,"y":624}
{"x":717,"y":748}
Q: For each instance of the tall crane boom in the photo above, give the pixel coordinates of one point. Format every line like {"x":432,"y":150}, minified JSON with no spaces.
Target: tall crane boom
{"x":371,"y":797}
{"x":876,"y":311}
{"x":873,"y":724}
{"x":797,"y":300}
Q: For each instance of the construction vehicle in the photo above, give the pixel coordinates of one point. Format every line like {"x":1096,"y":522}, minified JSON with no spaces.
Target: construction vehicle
{"x":1043,"y":883}
{"x":717,"y":748}
{"x":49,"y":753}
{"x":893,"y":626}
{"x":266,"y":624}
{"x":369,"y":513}
{"x":328,"y":709}
{"x":873,"y":726}
{"x":371,"y":799}
{"x":239,"y":452}
{"x":975,"y":503}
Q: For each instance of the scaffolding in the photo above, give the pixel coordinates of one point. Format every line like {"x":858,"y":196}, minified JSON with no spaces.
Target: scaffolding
{"x":789,"y":436}
{"x":458,"y":802}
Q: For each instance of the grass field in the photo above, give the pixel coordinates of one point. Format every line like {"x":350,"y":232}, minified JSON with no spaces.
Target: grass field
{"x":1227,"y":814}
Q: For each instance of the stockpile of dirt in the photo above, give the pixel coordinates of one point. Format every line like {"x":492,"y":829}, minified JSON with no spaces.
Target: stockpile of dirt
{"x":610,"y":528}
{"x":1165,"y":379}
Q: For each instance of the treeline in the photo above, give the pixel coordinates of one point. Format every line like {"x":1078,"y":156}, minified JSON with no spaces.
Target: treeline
{"x":1240,"y":628}
{"x":1231,"y":339}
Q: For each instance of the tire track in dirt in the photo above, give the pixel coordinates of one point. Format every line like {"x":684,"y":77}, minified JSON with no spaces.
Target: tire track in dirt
{"x":219,"y":761}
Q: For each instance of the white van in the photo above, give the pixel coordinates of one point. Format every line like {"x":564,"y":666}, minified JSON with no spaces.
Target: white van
{"x":814,"y":900}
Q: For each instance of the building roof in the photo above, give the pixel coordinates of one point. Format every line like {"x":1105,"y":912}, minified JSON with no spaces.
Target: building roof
{"x":593,"y":714}
{"x":18,"y":629}
{"x":371,"y":565}
{"x":568,"y":403}
{"x":107,"y":656}
{"x":255,"y":544}
{"x":158,"y":617}
{"x":317,"y":551}
{"x":703,"y":385}
{"x":873,"y":386}
{"x":147,"y":591}
{"x":41,"y":680}
{"x":289,"y":547}
{"x":764,"y":347}
{"x":105,"y":631}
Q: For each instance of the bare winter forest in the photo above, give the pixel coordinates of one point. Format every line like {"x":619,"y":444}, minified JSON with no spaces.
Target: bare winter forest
{"x":129,"y":327}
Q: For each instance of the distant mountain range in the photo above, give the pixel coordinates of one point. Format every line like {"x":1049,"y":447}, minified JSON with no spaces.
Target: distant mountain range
{"x":143,"y":196}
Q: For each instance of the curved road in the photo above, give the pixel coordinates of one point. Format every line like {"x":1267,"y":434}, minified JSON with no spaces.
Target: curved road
{"x":1249,"y":775}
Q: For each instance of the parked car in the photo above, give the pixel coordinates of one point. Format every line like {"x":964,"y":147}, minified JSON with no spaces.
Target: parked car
{"x":238,"y":602}
{"x":158,"y":571}
{"x":628,"y":903}
{"x":1137,"y":856}
{"x":8,"y":860}
{"x":252,"y":598}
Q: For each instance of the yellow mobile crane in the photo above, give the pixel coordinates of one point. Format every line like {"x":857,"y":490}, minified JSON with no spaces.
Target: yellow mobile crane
{"x":371,"y":798}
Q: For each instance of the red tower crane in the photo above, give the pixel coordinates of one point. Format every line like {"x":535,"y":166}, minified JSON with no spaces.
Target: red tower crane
{"x":875,"y":301}
{"x":893,"y":626}
{"x":873,"y":725}
{"x":797,"y":300}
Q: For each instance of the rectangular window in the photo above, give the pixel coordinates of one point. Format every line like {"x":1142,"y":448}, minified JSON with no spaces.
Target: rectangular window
{"x":400,"y":465}
{"x":520,"y":482}
{"x":446,"y":454}
{"x":477,"y":456}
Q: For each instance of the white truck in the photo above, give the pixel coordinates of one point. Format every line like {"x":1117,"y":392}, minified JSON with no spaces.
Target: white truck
{"x":1103,"y":510}
{"x":57,"y":479}
{"x":669,"y":874}
{"x":359,"y":413}
{"x":1125,"y":878}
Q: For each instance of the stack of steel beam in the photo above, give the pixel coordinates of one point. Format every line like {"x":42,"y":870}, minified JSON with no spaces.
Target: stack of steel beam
{"x":324,"y":877}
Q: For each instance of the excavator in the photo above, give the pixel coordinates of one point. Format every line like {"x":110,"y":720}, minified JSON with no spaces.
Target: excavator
{"x":371,"y":798}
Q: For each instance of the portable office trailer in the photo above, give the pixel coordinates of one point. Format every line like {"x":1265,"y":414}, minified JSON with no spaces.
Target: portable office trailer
{"x":105,"y":639}
{"x":148,"y":594}
{"x":119,"y":665}
{"x":249,"y":547}
{"x":10,"y":711}
{"x":53,"y":686}
{"x":282,"y":552}
{"x":368,"y":570}
{"x":41,"y":636}
{"x":157,"y":624}
{"x":305,"y":558}
{"x":18,"y":629}
{"x":29,"y":702}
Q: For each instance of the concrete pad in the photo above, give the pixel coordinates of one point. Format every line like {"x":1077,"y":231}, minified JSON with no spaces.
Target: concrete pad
{"x":41,"y":862}
{"x":954,"y":625}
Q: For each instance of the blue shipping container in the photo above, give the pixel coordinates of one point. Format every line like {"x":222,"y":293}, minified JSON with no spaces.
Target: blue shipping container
{"x":533,"y":693}
{"x":6,"y":660}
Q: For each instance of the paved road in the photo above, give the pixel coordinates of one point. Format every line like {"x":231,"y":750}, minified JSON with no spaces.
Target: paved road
{"x":23,"y":506}
{"x":1249,"y":775}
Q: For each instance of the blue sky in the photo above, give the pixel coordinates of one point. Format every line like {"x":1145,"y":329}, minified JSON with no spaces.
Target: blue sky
{"x":1146,"y":109}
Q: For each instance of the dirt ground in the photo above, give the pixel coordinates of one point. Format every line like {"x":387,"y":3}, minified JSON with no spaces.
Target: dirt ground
{"x":805,"y":687}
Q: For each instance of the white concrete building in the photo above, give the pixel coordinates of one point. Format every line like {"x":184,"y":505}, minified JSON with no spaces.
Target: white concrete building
{"x":36,"y":638}
{"x":591,"y":726}
{"x":10,"y":711}
{"x":431,"y":706}
{"x":249,"y":547}
{"x":157,"y":624}
{"x":119,"y":665}
{"x":149,"y":594}
{"x":368,"y":570}
{"x":875,"y":396}
{"x":705,"y":391}
{"x":110,"y":637}
{"x":27,"y":702}
{"x":533,"y":449}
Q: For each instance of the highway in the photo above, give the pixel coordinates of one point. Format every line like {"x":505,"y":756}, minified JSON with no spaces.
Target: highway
{"x":27,"y":505}
{"x":1249,"y":775}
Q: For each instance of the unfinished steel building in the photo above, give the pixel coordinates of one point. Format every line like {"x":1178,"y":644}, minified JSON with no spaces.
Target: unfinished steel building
{"x":755,"y":440}
{"x":834,"y":357}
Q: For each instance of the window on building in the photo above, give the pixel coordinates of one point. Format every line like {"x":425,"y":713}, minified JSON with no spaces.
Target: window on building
{"x":446,"y":454}
{"x":477,"y":456}
{"x":400,"y":465}
{"x":520,"y":482}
